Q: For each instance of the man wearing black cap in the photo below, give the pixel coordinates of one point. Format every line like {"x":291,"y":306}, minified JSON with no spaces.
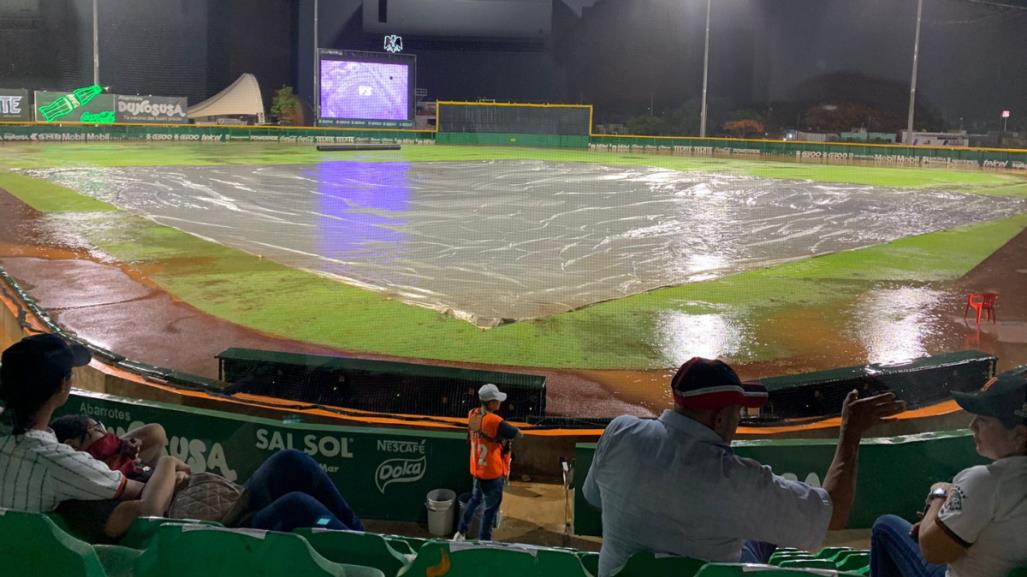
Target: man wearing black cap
{"x":38,"y":473}
{"x":975,"y":526}
{"x":673,"y":485}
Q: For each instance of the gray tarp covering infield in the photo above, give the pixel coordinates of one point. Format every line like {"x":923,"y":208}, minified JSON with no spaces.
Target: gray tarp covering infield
{"x":521,"y":239}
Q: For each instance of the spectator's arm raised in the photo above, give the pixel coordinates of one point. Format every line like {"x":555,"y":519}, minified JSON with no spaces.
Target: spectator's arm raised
{"x":858,"y":416}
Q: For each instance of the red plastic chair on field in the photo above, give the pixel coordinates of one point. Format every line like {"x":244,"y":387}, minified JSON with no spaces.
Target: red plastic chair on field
{"x":982,"y":303}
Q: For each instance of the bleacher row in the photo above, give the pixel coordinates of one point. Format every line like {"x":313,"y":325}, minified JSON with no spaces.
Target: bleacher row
{"x":35,"y":545}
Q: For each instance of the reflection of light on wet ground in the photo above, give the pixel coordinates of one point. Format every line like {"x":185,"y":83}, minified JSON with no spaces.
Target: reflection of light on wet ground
{"x":895,"y":323}
{"x":683,"y":336}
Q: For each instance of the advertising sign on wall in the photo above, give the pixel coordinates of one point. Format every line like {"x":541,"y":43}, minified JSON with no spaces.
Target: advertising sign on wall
{"x":87,"y":104}
{"x":160,"y":109}
{"x":382,"y":473}
{"x":15,"y":104}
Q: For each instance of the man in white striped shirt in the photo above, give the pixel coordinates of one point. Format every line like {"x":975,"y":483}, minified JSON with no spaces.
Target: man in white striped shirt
{"x":37,"y":473}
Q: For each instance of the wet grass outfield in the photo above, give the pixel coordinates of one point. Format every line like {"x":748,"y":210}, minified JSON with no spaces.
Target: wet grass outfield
{"x":873,"y":302}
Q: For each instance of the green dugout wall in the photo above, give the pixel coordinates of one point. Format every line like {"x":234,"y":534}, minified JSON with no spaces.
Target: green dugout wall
{"x":383,"y":473}
{"x":894,"y":473}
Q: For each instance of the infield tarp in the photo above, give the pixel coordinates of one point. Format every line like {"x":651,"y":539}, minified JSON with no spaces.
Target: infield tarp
{"x":495,"y":240}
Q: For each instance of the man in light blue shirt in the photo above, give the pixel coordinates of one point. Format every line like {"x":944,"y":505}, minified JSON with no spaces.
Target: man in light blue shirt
{"x":673,"y":485}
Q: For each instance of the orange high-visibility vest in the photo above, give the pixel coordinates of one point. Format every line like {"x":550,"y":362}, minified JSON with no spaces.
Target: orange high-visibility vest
{"x":487,"y":459}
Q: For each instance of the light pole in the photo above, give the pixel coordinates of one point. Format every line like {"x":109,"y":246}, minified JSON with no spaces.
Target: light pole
{"x":912,"y":82}
{"x":96,"y":46}
{"x":705,"y":72}
{"x":317,"y":73}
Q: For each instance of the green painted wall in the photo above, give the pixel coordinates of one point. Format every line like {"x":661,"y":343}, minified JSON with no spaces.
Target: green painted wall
{"x":895,"y":473}
{"x":383,"y":473}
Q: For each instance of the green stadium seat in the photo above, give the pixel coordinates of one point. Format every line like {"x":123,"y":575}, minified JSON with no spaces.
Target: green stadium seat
{"x":649,"y":564}
{"x":744,"y":570}
{"x":117,"y":561}
{"x":590,"y":560}
{"x":780,"y":556}
{"x":32,"y":545}
{"x":358,"y":548}
{"x":144,"y":528}
{"x":808,"y":564}
{"x":854,"y":561}
{"x":831,"y":552}
{"x":1019,"y":572}
{"x":474,"y":559}
{"x":199,"y":550}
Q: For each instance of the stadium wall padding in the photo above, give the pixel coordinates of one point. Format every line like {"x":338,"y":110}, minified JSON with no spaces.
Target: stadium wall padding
{"x":813,"y":152}
{"x":816,"y":152}
{"x":383,"y":473}
{"x":510,"y":139}
{"x":895,"y":473}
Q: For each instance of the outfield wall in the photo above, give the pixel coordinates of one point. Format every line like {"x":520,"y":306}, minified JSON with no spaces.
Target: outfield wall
{"x":213,"y":133}
{"x":814,"y":152}
{"x":818,"y":152}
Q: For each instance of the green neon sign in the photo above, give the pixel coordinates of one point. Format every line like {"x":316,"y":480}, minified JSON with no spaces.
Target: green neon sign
{"x":68,"y":103}
{"x":105,"y":117}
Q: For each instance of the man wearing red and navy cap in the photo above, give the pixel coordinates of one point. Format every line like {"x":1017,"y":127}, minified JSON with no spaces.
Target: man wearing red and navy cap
{"x":673,"y":486}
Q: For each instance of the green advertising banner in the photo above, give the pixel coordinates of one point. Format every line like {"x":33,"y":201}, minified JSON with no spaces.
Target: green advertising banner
{"x":88,"y":105}
{"x":383,"y":473}
{"x":895,"y":473}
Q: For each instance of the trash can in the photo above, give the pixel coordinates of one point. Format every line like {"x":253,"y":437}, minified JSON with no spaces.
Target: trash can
{"x":439,"y":503}
{"x":473,"y":528}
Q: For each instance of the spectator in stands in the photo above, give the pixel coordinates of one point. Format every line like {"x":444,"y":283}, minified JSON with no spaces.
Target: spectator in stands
{"x":975,"y":526}
{"x":40,"y":474}
{"x":673,"y":485}
{"x":490,"y":437}
{"x":134,"y":454}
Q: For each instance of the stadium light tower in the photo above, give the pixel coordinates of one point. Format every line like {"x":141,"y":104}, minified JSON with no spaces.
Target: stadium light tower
{"x":96,"y":45}
{"x":912,"y":82}
{"x":705,"y":72}
{"x":317,"y":73}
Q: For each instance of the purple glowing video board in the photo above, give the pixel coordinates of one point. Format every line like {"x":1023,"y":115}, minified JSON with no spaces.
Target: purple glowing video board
{"x":364,"y":91}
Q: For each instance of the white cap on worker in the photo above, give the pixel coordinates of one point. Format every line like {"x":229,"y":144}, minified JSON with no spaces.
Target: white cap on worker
{"x":491,"y":392}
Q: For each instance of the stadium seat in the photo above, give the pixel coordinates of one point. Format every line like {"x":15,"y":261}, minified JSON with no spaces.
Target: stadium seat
{"x":473,"y":559}
{"x":178,"y":550}
{"x":31,"y":544}
{"x":831,"y":552}
{"x":144,"y":528}
{"x":1019,"y":572}
{"x":854,"y":561}
{"x":808,"y":564}
{"x":648,"y":564}
{"x":743,"y":569}
{"x":590,"y":560}
{"x":358,"y":548}
{"x":117,"y":561}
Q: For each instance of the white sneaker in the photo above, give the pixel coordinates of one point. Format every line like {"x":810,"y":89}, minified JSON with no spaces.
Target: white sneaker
{"x":458,"y":536}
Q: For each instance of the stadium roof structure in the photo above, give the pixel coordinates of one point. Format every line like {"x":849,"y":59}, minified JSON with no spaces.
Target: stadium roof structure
{"x":240,"y":98}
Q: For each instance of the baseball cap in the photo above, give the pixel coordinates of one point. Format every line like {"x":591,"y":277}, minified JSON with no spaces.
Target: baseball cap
{"x":490,"y":392}
{"x":711,"y":384}
{"x":1003,"y":397}
{"x":40,"y":356}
